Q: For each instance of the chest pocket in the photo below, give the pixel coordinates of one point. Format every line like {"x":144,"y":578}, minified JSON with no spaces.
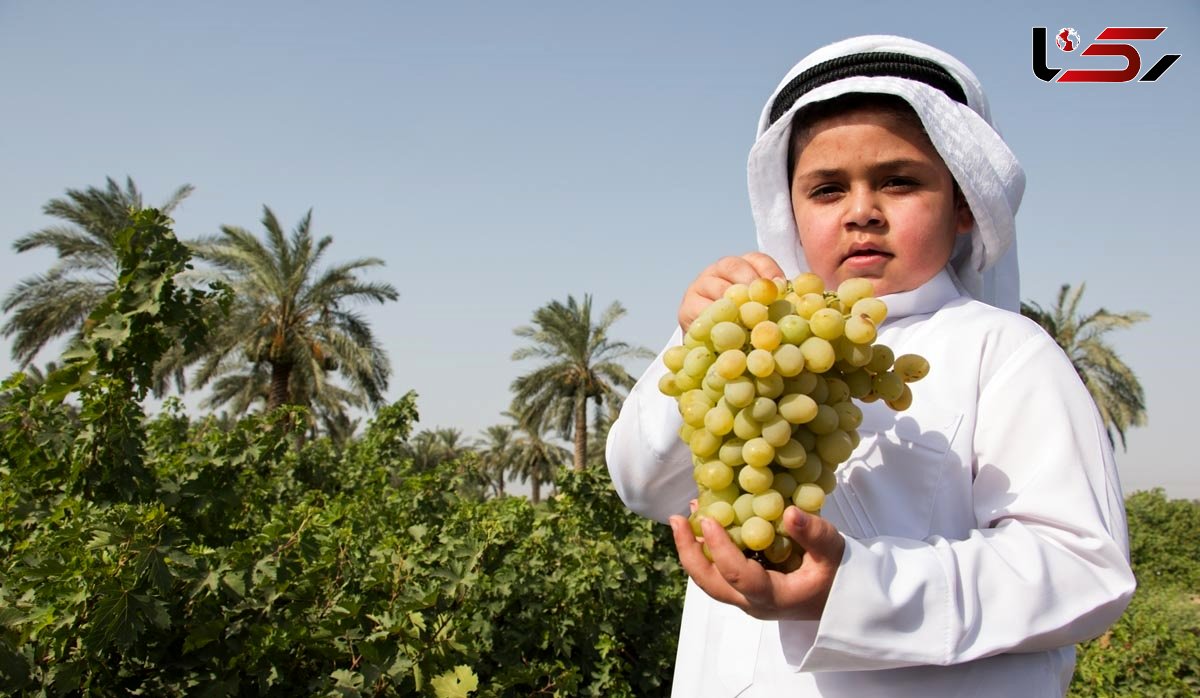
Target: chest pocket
{"x":889,"y":485}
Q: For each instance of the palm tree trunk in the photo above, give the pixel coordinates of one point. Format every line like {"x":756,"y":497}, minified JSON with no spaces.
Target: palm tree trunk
{"x":537,"y":488}
{"x":580,"y":433}
{"x":280,"y":374}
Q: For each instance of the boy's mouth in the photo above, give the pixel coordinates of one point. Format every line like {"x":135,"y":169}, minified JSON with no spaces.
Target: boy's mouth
{"x":866,"y":253}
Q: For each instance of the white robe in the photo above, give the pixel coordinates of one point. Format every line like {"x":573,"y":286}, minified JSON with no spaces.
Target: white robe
{"x":984,"y":526}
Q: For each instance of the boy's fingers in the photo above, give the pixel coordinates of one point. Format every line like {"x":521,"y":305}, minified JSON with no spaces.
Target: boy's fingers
{"x":764,"y":265}
{"x":697,"y":566}
{"x":741,"y":573}
{"x":820,"y":539}
{"x":737,"y":270}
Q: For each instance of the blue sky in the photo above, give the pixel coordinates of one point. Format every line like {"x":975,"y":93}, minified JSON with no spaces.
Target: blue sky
{"x":500,"y":155}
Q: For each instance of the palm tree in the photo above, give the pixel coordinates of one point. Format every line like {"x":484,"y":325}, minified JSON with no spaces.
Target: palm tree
{"x":496,"y":455}
{"x":534,"y":459}
{"x":582,"y":363}
{"x":50,"y":305}
{"x":291,"y":323}
{"x":1113,"y":385}
{"x":430,"y":449}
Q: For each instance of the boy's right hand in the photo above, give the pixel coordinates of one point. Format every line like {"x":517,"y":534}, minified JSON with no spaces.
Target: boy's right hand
{"x":710,"y":285}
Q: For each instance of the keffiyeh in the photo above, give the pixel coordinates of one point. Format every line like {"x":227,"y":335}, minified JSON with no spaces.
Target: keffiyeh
{"x":936,"y":85}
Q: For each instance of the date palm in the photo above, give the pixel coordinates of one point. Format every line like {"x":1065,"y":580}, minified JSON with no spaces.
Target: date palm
{"x":581,"y":364}
{"x":292,"y":321}
{"x":534,"y":458}
{"x":496,"y":455}
{"x":1113,"y":385}
{"x":47,"y":306}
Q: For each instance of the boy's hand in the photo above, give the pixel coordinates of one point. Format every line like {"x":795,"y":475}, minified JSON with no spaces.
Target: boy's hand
{"x":710,"y":285}
{"x":733,"y":578}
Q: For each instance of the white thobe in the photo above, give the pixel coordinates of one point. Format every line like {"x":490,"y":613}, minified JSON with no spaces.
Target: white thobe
{"x":984,"y":526}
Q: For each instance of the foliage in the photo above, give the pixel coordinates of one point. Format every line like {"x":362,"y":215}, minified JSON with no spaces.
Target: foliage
{"x":1112,"y":384}
{"x":242,"y":560}
{"x":47,"y":306}
{"x":1154,"y":649}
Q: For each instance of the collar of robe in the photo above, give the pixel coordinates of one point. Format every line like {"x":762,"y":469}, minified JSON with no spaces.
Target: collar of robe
{"x":924,"y":299}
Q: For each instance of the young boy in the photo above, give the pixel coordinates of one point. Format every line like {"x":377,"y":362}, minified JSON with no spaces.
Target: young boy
{"x":972,"y":539}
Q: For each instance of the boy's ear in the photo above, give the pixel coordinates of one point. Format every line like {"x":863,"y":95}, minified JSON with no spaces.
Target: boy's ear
{"x":964,"y":220}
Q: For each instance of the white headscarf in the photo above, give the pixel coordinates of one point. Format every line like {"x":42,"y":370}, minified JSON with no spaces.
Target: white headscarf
{"x":991,"y":179}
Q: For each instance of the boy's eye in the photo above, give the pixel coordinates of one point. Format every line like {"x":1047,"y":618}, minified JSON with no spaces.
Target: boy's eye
{"x":824,"y":191}
{"x":900,"y":182}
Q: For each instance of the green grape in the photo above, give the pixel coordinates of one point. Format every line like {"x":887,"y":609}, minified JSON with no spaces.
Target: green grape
{"x":809,"y":304}
{"x":827,"y":480}
{"x":685,"y":432}
{"x":795,"y":329}
{"x":751,"y":313}
{"x":729,"y":493}
{"x":776,"y":431}
{"x":789,"y":360}
{"x":701,"y":327}
{"x":763,"y":291}
{"x":763,"y":408}
{"x":779,"y":310}
{"x":704,"y":443}
{"x":719,"y":419}
{"x":698,"y":360}
{"x":693,"y":411}
{"x":743,"y":508}
{"x":738,"y":293}
{"x":714,"y":380}
{"x":768,"y":505}
{"x":791,"y":454}
{"x":838,"y":391}
{"x":667,"y":385}
{"x":766,"y":335}
{"x":820,"y":391}
{"x":784,"y":482}
{"x":803,"y":383}
{"x":825,"y":421}
{"x":854,"y":437}
{"x":818,"y":354}
{"x":757,"y":533}
{"x":881,"y":358}
{"x":888,"y":385}
{"x":808,"y":282}
{"x":713,"y":394}
{"x":903,"y":402}
{"x":854,"y":355}
{"x":809,"y":497}
{"x":673,"y":358}
{"x":858,"y":383}
{"x":781,"y":285}
{"x":806,"y":438}
{"x":758,"y":453}
{"x":849,"y":416}
{"x":730,"y":364}
{"x":872,"y":308}
{"x":690,"y":342}
{"x":739,"y":392}
{"x":686,"y":381}
{"x":826,"y":323}
{"x":808,"y":471}
{"x":853,"y":290}
{"x":745,"y":426}
{"x":727,"y":336}
{"x":834,"y":447}
{"x":911,"y":367}
{"x":735,"y":535}
{"x":769,"y":386}
{"x":723,"y":310}
{"x":755,"y":480}
{"x":859,"y":329}
{"x":779,"y":550}
{"x":730,"y":452}
{"x":760,"y":363}
{"x":721,"y":512}
{"x":797,"y":408}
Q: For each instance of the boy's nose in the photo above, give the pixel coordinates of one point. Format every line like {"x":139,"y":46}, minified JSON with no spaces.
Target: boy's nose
{"x":862,"y":209}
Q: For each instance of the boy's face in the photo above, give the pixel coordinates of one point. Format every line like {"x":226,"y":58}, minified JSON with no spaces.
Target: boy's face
{"x":873,"y":199}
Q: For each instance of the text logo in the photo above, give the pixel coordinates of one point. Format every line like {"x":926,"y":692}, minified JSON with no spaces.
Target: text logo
{"x":1067,"y":40}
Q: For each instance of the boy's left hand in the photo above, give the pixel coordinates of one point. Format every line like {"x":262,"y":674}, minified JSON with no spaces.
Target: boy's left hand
{"x":733,"y":578}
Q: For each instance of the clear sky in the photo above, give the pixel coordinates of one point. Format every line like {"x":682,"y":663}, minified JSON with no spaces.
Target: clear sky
{"x":500,"y":155}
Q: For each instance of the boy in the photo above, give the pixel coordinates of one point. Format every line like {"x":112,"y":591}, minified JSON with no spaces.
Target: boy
{"x":972,"y":539}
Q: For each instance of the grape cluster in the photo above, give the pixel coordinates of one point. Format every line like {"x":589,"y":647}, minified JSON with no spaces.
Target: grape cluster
{"x":765,"y":380}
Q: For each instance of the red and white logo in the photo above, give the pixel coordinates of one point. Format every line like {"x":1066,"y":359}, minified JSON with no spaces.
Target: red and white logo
{"x":1109,"y":42}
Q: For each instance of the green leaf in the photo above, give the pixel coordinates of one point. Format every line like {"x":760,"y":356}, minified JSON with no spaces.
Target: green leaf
{"x":459,"y":683}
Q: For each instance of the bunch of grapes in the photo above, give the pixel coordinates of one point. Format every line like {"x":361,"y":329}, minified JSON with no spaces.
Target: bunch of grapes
{"x":765,"y":380}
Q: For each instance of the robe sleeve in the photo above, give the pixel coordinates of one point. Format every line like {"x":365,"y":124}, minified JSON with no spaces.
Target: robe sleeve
{"x":1046,"y":567}
{"x":650,"y":465}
